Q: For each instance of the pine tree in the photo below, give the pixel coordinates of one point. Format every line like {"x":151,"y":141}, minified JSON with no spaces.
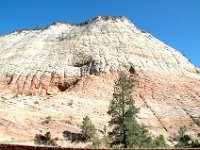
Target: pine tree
{"x":184,"y":140}
{"x":159,"y":142}
{"x":38,"y":27}
{"x":88,"y":129}
{"x":126,"y":131}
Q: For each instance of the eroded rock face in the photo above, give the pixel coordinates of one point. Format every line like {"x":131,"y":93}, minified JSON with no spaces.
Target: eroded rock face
{"x":79,"y":63}
{"x":41,"y":62}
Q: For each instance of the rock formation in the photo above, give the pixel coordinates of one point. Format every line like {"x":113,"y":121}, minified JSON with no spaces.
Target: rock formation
{"x":80,"y":62}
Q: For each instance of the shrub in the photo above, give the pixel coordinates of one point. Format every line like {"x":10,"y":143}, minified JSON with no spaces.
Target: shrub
{"x":159,"y":142}
{"x":45,"y":139}
{"x":38,"y":27}
{"x":184,"y":140}
{"x":47,"y":120}
{"x":70,"y":103}
{"x":96,"y":143}
{"x":88,"y":129}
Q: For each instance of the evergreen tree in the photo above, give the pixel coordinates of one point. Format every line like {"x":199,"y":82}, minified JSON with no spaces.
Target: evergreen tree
{"x":38,"y":27}
{"x":88,"y":129}
{"x":184,"y":140}
{"x":159,"y":142}
{"x":195,"y":144}
{"x":126,"y":131}
{"x":45,"y":139}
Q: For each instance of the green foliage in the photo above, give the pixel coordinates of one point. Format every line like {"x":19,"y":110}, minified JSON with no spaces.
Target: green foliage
{"x":105,"y":142}
{"x":21,"y":30}
{"x":159,"y":142}
{"x":16,"y":96}
{"x":197,"y":121}
{"x":70,"y":103}
{"x":48,"y":136}
{"x":45,"y":139}
{"x":195,"y":144}
{"x":138,"y":136}
{"x":38,"y":27}
{"x":104,"y":130}
{"x":184,"y":140}
{"x":36,"y":102}
{"x":96,"y":143}
{"x":126,"y":131}
{"x":88,"y":129}
{"x":47,"y":120}
{"x":100,"y":143}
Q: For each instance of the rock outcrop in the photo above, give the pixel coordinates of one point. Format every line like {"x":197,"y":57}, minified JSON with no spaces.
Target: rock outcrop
{"x":40,"y":62}
{"x":81,"y":62}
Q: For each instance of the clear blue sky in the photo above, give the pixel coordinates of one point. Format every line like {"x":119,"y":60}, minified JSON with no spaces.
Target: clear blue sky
{"x":175,"y":22}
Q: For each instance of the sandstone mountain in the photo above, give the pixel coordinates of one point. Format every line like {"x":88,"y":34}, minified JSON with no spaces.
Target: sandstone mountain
{"x":68,"y":71}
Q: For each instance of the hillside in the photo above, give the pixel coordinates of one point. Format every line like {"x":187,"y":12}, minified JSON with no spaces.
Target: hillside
{"x":68,"y":71}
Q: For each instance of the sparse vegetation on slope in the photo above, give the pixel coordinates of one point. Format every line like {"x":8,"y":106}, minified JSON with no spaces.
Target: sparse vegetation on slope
{"x":88,"y":129}
{"x":184,"y":140}
{"x":45,"y":139}
{"x":126,"y":131}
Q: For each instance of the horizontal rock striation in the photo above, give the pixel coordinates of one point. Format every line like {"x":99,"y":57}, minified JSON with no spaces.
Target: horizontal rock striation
{"x":43,"y":62}
{"x":74,"y":68}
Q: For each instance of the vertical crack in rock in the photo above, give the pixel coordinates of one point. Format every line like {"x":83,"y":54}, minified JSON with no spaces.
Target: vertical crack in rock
{"x":186,"y":111}
{"x":159,"y":120}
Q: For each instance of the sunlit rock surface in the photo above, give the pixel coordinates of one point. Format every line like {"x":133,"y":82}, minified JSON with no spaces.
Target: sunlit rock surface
{"x":43,"y":71}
